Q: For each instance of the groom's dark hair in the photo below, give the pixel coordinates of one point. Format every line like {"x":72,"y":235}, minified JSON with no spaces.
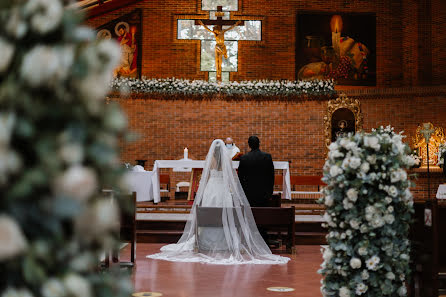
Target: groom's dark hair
{"x":253,"y":142}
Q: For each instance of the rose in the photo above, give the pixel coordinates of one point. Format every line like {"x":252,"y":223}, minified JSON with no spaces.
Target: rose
{"x":372,"y":142}
{"x":352,"y":194}
{"x":77,"y":286}
{"x":77,"y":182}
{"x":7,"y":51}
{"x":12,"y":240}
{"x":361,"y":288}
{"x":355,"y":263}
{"x":45,"y":15}
{"x":53,"y":288}
{"x":335,"y":170}
{"x":344,"y":292}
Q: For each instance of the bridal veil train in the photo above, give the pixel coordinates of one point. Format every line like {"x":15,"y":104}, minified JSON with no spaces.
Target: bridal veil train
{"x":220,"y":228}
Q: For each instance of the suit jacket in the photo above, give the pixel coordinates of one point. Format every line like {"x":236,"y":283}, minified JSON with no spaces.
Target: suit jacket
{"x":256,"y":174}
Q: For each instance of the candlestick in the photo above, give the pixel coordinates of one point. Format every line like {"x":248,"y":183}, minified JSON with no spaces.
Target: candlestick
{"x":185,"y":153}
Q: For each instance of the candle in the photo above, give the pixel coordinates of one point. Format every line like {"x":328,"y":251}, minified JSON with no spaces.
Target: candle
{"x":336,"y":27}
{"x":185,"y":152}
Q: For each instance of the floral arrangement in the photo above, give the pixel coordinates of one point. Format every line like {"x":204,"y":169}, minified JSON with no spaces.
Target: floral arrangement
{"x":58,"y":147}
{"x":199,"y":87}
{"x":416,"y":159}
{"x":441,"y":154}
{"x":368,"y":212}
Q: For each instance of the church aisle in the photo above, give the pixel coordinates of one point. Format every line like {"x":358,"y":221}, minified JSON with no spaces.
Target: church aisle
{"x":200,"y":280}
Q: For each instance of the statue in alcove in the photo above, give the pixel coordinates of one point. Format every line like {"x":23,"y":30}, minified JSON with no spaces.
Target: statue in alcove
{"x":342,"y":123}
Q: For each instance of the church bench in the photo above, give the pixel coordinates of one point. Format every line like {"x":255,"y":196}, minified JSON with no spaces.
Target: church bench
{"x":306,"y":181}
{"x":277,"y":219}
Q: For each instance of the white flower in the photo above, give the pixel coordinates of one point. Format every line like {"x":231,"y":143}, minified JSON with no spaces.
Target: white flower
{"x":347,"y":204}
{"x":328,"y":254}
{"x":361,"y":288}
{"x":365,"y":274}
{"x":404,"y":257}
{"x":390,"y":275}
{"x":352,"y":162}
{"x":77,"y":286}
{"x":392,"y":191}
{"x":102,"y":216}
{"x":333,"y":146}
{"x":372,"y":263}
{"x":13,"y":292}
{"x":335,"y":170}
{"x":362,"y":251}
{"x":355,"y":263}
{"x":329,"y":200}
{"x":402,"y":291}
{"x":389,"y":218}
{"x":372,"y":142}
{"x":12,"y":240}
{"x":390,"y":208}
{"x":344,"y":292}
{"x":354,"y":224}
{"x":46,"y":15}
{"x":388,"y":199}
{"x":7,"y":51}
{"x":42,"y":66}
{"x":371,"y":159}
{"x":77,"y":182}
{"x":7,"y":121}
{"x":398,"y":175}
{"x":365,"y":167}
{"x":53,"y":288}
{"x":352,"y":194}
{"x":72,"y":153}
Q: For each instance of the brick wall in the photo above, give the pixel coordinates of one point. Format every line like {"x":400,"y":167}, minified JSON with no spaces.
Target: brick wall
{"x":410,"y":38}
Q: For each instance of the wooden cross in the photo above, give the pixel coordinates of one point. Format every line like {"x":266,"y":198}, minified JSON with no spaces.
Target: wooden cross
{"x":220,"y":47}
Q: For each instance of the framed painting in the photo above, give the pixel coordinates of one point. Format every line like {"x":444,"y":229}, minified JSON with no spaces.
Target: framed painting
{"x":126,"y":30}
{"x":337,"y":46}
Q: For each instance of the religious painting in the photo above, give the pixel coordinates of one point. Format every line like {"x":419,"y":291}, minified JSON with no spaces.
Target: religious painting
{"x":437,"y":137}
{"x":194,"y":182}
{"x":126,"y":30}
{"x":337,"y":46}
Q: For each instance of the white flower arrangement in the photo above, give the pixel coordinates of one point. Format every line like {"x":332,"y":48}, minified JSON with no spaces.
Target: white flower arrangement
{"x":174,"y":86}
{"x":368,"y":212}
{"x":441,"y":154}
{"x":54,"y":77}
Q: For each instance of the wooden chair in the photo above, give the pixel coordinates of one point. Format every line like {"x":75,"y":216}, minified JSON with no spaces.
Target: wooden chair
{"x":127,"y":231}
{"x":277,"y":219}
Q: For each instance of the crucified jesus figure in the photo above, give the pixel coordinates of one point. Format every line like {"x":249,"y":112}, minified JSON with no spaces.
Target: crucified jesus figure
{"x":220,"y":47}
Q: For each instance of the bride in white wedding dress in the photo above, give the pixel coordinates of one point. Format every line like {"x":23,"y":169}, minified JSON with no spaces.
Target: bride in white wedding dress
{"x":220,"y":228}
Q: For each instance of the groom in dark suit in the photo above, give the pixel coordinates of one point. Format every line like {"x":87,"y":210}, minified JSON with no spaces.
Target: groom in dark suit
{"x":256,"y":174}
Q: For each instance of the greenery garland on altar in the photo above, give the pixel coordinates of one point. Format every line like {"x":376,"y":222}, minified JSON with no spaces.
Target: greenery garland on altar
{"x":368,"y":212}
{"x":58,"y":148}
{"x":175,"y":86}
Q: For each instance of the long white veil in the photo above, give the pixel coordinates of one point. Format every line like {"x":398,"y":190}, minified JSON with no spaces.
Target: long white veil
{"x":222,"y":231}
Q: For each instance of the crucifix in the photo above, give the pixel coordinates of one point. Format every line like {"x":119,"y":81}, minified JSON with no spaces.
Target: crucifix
{"x":214,"y":44}
{"x":220,"y":47}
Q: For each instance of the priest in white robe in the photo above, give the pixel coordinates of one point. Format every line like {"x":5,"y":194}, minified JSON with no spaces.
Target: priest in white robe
{"x":233,"y":150}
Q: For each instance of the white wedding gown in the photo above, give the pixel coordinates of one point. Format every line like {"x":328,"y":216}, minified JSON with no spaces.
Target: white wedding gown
{"x":236,"y":240}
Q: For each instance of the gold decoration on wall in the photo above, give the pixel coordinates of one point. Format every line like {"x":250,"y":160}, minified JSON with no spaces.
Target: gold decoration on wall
{"x":419,"y":143}
{"x":342,"y":102}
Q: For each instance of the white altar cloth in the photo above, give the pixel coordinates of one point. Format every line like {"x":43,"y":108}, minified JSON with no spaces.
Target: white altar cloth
{"x":141,"y":183}
{"x":279,"y":165}
{"x":441,"y":192}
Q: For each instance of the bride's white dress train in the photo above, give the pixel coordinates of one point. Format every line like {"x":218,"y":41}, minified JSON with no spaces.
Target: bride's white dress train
{"x":236,"y":240}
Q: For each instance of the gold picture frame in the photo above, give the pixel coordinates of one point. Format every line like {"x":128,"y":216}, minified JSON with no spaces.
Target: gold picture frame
{"x":419,"y":143}
{"x":342,"y":103}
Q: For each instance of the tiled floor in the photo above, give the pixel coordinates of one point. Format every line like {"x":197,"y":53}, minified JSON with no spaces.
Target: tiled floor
{"x":203,"y":280}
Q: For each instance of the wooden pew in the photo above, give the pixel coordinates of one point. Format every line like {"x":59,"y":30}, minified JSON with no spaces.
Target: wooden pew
{"x":277,"y":219}
{"x":428,"y":247}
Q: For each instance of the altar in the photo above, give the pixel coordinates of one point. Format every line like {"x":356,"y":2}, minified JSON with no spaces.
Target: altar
{"x":154,"y":195}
